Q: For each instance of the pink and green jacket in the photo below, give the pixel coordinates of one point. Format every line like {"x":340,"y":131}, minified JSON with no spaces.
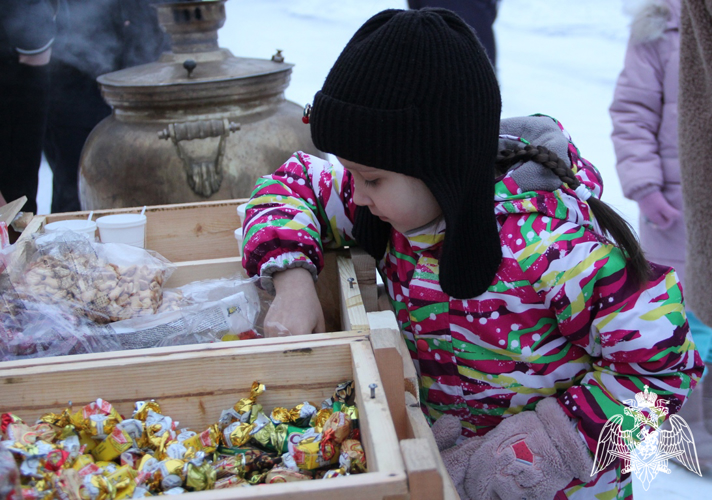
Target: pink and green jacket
{"x":561,"y":319}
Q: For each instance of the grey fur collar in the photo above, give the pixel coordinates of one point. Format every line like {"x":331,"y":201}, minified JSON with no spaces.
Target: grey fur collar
{"x":650,"y":19}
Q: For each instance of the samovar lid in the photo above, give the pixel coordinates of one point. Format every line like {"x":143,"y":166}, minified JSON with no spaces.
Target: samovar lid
{"x":196,"y":68}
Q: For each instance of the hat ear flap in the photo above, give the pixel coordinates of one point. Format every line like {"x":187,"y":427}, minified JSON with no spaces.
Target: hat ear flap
{"x":371,"y":233}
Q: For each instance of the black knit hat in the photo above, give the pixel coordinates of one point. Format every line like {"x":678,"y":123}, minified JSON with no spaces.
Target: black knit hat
{"x":413,"y":92}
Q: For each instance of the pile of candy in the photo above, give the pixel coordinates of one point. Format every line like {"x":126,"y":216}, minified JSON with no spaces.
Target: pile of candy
{"x":95,"y":453}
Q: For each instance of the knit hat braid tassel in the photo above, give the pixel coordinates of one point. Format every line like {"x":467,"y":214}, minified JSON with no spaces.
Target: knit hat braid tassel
{"x":413,"y":92}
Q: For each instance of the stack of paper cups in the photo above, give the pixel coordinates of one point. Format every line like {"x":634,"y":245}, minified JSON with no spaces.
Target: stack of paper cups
{"x":238,"y":231}
{"x":129,"y":229}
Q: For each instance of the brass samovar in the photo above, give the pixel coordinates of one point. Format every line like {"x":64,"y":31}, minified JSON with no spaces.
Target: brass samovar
{"x":199,"y":124}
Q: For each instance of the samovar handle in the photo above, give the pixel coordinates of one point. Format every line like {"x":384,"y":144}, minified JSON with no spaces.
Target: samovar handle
{"x":204,"y":173}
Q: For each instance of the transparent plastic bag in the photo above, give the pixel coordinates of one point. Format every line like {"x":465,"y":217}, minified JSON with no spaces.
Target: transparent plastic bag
{"x":103,"y":282}
{"x":197,"y":313}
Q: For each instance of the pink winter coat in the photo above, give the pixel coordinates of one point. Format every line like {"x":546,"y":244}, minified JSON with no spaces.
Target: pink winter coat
{"x":644,"y":114}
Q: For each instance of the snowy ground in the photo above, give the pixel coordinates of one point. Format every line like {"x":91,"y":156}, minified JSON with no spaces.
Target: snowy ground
{"x":559,"y":57}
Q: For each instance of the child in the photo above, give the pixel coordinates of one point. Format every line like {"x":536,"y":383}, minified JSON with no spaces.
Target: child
{"x":522,"y":319}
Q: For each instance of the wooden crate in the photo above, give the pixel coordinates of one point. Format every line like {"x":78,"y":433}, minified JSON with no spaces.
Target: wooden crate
{"x":193,"y":386}
{"x":199,"y":239}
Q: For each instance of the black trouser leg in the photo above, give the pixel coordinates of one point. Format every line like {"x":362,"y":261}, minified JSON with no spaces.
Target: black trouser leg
{"x":479,"y":14}
{"x":23,"y":116}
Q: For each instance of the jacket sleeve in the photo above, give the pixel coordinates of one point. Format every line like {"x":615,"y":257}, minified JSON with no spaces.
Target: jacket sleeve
{"x":29,"y":25}
{"x":636,"y":113}
{"x":293,"y":214}
{"x":632,"y":336}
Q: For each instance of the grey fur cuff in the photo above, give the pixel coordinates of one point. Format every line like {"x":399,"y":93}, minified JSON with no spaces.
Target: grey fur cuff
{"x":566,"y":438}
{"x":268,"y":270}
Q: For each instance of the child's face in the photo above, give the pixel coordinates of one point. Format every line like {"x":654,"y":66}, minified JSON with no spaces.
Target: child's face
{"x":403,"y":201}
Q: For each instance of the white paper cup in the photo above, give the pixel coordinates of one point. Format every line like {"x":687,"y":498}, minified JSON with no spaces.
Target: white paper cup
{"x":129,"y":229}
{"x":241,"y":213}
{"x":238,"y":237}
{"x":84,"y":226}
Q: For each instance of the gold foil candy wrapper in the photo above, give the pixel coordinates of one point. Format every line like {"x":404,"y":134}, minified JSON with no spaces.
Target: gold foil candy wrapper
{"x":58,"y":419}
{"x":335,"y":473}
{"x":104,"y":489}
{"x":282,"y":475}
{"x":101,"y":426}
{"x":352,"y":412}
{"x":113,"y":446}
{"x":121,"y":475}
{"x":87,"y":442}
{"x":257,"y":478}
{"x":66,"y":432}
{"x":157,"y":438}
{"x":340,"y":423}
{"x":353,"y":458}
{"x":264,"y":432}
{"x":78,"y":421}
{"x":230,"y":482}
{"x":245,"y":404}
{"x":172,"y":466}
{"x":237,"y":434}
{"x":126,"y":490}
{"x":200,"y":477}
{"x":302,"y":414}
{"x":280,"y":416}
{"x":82,"y":461}
{"x":141,"y":409}
{"x":320,"y":419}
{"x":207,"y":441}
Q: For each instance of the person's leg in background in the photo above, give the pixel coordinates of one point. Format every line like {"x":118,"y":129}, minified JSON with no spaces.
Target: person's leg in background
{"x":479,"y":14}
{"x":76,"y":107}
{"x":23,"y":116}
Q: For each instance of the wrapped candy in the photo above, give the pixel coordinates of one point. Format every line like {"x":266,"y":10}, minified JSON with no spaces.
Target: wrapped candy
{"x":200,"y":475}
{"x":96,"y":454}
{"x":352,"y":458}
{"x":340,"y":423}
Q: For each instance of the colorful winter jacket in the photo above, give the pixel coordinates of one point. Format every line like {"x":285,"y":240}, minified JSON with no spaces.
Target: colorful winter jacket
{"x":561,"y":318}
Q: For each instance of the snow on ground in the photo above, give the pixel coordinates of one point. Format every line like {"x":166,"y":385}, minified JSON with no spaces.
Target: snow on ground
{"x":559,"y":57}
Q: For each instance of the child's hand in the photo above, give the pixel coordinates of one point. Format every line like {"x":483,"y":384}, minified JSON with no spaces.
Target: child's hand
{"x":296,"y":309}
{"x":657,"y":211}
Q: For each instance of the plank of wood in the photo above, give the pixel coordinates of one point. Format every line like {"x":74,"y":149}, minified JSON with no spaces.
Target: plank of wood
{"x":424,"y":479}
{"x":183,"y":231}
{"x":386,"y":321}
{"x":196,"y":270}
{"x":390,"y":368}
{"x":10,"y":210}
{"x":353,"y":313}
{"x":365,"y":268}
{"x":418,"y":428}
{"x":193,"y":387}
{"x":370,"y":486}
{"x":377,"y":430}
{"x":159,"y":352}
